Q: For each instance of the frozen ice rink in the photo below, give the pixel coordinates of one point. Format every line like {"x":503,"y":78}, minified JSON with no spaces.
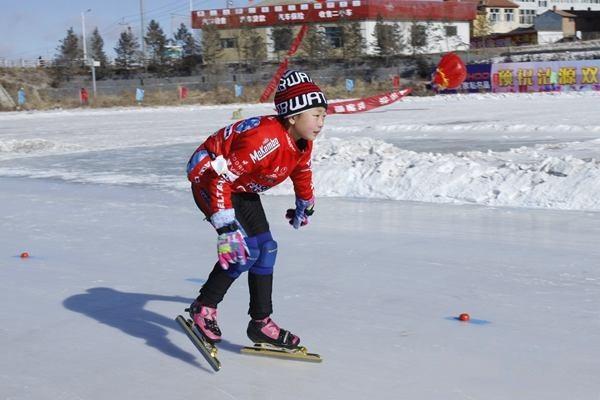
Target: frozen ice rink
{"x":426,"y":209}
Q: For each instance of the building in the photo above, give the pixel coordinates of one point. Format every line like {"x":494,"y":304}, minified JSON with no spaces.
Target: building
{"x":496,"y":16}
{"x":442,"y":25}
{"x":554,"y":25}
{"x":509,"y":18}
{"x":530,"y":9}
{"x":587,"y":24}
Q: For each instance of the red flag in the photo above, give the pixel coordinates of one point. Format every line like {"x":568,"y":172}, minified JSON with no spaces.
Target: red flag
{"x":450,"y":72}
{"x":183,"y":92}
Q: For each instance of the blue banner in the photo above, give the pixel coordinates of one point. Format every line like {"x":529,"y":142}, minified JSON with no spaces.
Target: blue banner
{"x":21,"y":97}
{"x":139,"y":95}
{"x":479,"y":79}
{"x":239,"y":90}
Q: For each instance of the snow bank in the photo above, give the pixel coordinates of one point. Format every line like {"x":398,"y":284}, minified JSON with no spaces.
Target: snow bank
{"x":522,"y":177}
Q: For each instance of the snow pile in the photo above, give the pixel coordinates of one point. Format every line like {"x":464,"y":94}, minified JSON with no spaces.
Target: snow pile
{"x":523,"y":177}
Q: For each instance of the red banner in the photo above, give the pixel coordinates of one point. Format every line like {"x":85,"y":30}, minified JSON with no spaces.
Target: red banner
{"x":366,"y":104}
{"x":274,"y":81}
{"x":333,"y":11}
{"x":296,"y":43}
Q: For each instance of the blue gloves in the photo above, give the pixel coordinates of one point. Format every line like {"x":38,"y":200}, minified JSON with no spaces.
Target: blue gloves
{"x":299,"y":216}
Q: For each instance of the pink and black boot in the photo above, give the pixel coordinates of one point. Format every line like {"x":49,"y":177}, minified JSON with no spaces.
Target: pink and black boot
{"x":266,"y":331}
{"x":205,"y":319}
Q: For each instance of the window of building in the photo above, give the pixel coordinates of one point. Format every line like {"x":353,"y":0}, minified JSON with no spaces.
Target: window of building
{"x":282,"y":38}
{"x":509,"y":15}
{"x":543,"y":3}
{"x":494,"y":15}
{"x":450,"y":30}
{"x":526,"y":17}
{"x":334,"y":36}
{"x":228,"y":43}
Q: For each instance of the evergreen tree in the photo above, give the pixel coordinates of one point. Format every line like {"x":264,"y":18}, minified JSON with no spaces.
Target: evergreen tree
{"x":68,"y":60}
{"x":156,"y":43}
{"x":252,"y":46}
{"x":315,"y":44}
{"x":184,"y":37}
{"x":128,"y":54}
{"x":211,"y":44}
{"x":388,"y":38}
{"x":191,"y":49}
{"x":97,"y":53}
{"x":353,"y":41}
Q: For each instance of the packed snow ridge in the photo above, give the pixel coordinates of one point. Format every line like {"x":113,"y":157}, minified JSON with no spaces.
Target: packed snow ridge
{"x":523,"y":177}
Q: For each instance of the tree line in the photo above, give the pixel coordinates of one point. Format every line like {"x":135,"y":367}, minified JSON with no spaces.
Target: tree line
{"x":181,"y":54}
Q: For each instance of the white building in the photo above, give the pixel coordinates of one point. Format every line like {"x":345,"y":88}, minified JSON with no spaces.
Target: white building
{"x":529,"y":9}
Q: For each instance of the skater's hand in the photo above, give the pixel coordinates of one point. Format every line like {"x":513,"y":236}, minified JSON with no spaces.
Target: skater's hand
{"x":299,"y":216}
{"x":232,"y":248}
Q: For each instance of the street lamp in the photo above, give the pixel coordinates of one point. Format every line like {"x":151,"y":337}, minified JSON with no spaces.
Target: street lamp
{"x":83,"y":33}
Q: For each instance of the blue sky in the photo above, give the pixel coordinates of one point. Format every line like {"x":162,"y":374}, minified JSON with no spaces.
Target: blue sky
{"x":29,"y":29}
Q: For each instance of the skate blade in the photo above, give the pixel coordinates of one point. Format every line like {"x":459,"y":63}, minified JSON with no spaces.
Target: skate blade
{"x":268,"y":350}
{"x":208,"y":350}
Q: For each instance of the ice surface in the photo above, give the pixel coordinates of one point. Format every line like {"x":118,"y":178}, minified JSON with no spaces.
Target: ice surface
{"x":520,"y":150}
{"x":371,"y":285}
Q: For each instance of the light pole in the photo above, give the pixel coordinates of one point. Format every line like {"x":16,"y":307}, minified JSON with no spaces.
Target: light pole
{"x":90,"y":62}
{"x":83,"y":33}
{"x":142,"y":33}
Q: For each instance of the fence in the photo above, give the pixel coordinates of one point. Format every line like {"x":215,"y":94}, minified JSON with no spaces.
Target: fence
{"x":24,"y":63}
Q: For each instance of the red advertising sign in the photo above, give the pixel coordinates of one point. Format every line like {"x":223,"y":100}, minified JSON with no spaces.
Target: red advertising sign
{"x":322,"y":12}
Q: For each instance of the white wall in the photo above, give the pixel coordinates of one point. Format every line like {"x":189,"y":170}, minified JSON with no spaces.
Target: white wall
{"x":549,"y":37}
{"x":437,"y":41}
{"x":502,"y":25}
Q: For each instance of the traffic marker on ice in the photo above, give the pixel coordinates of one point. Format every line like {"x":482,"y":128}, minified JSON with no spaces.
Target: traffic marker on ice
{"x":464,"y":317}
{"x":24,"y":254}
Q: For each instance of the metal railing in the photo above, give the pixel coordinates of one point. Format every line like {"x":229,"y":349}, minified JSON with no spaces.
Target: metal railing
{"x":24,"y":63}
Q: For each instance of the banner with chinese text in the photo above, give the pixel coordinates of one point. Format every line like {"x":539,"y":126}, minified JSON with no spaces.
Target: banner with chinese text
{"x":334,"y":11}
{"x":365,"y":104}
{"x":546,"y":76}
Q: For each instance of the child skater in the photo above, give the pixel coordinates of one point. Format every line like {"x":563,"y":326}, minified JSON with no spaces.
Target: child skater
{"x":227,"y":172}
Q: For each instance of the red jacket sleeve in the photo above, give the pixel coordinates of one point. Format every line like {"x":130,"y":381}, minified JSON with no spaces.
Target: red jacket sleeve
{"x":302,"y":176}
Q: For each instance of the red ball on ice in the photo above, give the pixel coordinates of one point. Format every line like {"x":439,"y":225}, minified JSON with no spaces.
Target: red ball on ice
{"x":464,"y":317}
{"x":24,"y":254}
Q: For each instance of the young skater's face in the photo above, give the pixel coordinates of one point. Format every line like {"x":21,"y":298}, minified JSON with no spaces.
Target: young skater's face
{"x":307,"y":124}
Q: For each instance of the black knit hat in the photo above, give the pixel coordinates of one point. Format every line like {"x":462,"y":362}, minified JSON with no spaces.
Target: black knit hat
{"x":296,"y":93}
